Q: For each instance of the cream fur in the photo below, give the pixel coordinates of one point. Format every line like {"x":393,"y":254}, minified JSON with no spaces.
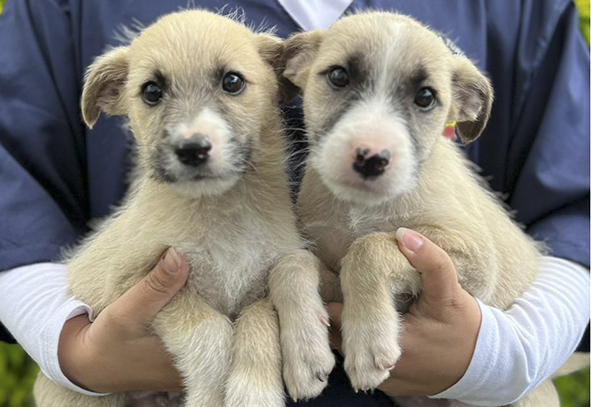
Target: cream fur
{"x":222,"y":333}
{"x":443,"y":197}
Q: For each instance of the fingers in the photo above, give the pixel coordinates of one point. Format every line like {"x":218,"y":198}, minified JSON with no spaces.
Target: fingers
{"x":334,"y":311}
{"x":438,"y":274}
{"x":144,"y":300}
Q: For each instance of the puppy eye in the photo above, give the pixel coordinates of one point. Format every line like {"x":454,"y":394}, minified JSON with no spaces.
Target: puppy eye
{"x":233,"y":83}
{"x":151,"y":93}
{"x":338,"y":78}
{"x":425,"y":98}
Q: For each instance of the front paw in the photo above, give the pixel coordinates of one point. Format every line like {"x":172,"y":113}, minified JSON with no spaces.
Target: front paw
{"x":371,"y":351}
{"x":307,"y":357}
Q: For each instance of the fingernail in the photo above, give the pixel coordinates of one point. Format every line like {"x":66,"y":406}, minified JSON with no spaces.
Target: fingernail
{"x":409,"y":238}
{"x":171,"y":261}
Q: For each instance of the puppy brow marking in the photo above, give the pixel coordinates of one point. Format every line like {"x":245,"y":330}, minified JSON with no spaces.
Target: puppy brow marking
{"x":160,"y":78}
{"x":419,"y":76}
{"x":418,"y":79}
{"x":360,"y":75}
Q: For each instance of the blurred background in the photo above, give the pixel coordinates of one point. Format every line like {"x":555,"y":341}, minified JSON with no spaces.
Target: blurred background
{"x":18,"y":371}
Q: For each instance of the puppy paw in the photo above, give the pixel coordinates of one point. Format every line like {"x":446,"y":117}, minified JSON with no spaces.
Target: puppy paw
{"x":371,"y":351}
{"x":307,"y":357}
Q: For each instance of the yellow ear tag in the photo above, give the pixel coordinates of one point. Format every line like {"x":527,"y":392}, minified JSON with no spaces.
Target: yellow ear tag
{"x":450,"y":131}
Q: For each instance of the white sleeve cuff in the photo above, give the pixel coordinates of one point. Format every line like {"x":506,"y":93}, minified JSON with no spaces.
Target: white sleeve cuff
{"x":35,"y":303}
{"x":518,"y":349}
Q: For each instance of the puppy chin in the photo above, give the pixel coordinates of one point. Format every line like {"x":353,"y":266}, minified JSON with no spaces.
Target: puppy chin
{"x":205,"y":187}
{"x":366,"y":194}
{"x":363,"y":197}
{"x":193,"y":183}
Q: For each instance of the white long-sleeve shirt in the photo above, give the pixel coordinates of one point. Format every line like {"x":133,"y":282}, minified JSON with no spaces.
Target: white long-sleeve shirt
{"x":518,"y":349}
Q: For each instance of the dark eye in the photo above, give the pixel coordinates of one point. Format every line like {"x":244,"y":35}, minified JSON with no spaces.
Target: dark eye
{"x":338,"y":78}
{"x":151,"y":93}
{"x":233,"y":83}
{"x":425,"y":98}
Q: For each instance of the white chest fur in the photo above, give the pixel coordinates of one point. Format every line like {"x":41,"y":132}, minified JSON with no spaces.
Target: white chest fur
{"x":334,"y":235}
{"x":231,"y":261}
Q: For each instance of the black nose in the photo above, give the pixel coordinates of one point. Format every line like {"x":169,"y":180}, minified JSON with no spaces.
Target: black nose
{"x":194,"y":151}
{"x":373,"y":166}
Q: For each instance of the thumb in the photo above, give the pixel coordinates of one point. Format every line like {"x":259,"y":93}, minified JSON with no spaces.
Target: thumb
{"x":438,"y":273}
{"x":144,"y":300}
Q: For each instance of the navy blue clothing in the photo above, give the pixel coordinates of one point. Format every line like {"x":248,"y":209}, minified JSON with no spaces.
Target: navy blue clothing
{"x":56,"y":175}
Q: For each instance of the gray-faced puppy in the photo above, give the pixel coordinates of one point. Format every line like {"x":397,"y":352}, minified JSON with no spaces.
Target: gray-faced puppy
{"x":201,"y":94}
{"x":378,"y":89}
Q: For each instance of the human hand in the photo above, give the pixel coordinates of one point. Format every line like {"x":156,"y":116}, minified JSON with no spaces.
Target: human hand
{"x":439,"y":330}
{"x":117,"y":352}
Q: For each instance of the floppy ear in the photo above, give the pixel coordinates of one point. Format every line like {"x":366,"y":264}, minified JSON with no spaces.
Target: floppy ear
{"x":270,"y":48}
{"x":103,"y":85}
{"x":299,"y":53}
{"x":472,"y":99}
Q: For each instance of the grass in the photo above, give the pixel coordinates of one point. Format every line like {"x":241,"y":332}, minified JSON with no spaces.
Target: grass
{"x":17,"y":375}
{"x":18,"y":371}
{"x":584,"y":6}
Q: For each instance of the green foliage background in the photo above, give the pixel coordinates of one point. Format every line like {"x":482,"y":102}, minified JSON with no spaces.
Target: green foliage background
{"x":18,"y":371}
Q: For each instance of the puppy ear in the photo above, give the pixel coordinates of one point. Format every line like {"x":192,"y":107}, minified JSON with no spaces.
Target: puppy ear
{"x":299,"y":53}
{"x":270,"y":48}
{"x":103,"y":86}
{"x":472,"y":99}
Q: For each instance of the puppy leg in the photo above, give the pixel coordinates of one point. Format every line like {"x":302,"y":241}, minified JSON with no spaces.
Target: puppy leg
{"x":49,"y":394}
{"x":370,"y":323}
{"x":373,"y":274}
{"x":255,"y":373}
{"x":200,"y":339}
{"x":307,"y":358}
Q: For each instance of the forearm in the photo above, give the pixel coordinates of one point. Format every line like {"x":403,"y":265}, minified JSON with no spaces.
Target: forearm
{"x":520,"y":348}
{"x":34,"y":306}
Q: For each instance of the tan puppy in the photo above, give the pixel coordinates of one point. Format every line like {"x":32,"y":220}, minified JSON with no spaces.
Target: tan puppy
{"x":378,"y":89}
{"x":201,"y":94}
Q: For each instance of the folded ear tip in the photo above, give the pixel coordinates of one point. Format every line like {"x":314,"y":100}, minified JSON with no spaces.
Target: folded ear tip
{"x":90,"y":111}
{"x":90,"y":123}
{"x":289,"y":91}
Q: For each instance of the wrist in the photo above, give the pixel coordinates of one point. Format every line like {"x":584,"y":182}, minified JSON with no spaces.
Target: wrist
{"x":468,"y":324}
{"x":73,"y":352}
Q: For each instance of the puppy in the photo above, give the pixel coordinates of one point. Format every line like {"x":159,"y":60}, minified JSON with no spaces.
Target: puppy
{"x":201,"y":93}
{"x":378,"y":89}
